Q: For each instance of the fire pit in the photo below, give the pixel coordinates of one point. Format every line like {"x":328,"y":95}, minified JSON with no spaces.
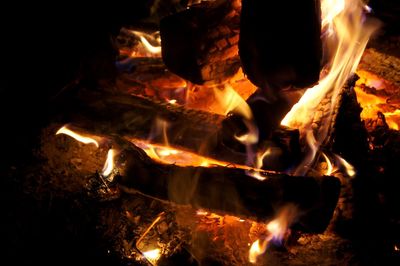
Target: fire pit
{"x":209,"y":142}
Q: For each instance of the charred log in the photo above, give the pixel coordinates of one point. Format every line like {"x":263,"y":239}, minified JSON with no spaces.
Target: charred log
{"x":200,"y":43}
{"x":201,"y":132}
{"x":230,"y":190}
{"x":280,"y":43}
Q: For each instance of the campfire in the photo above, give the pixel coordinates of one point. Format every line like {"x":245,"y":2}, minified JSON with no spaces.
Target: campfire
{"x":232,"y":134}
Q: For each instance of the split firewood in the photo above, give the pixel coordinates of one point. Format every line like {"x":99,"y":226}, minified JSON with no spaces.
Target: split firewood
{"x":280,"y":43}
{"x":226,"y":190}
{"x":200,"y":43}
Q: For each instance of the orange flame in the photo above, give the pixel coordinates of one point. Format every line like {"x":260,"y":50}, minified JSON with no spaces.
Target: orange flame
{"x":346,"y":41}
{"x":277,"y":229}
{"x":78,"y":137}
{"x":372,"y":104}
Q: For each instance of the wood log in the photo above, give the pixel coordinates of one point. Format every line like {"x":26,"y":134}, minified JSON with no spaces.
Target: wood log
{"x":200,"y":43}
{"x":230,"y":190}
{"x":133,"y":117}
{"x":280,"y":43}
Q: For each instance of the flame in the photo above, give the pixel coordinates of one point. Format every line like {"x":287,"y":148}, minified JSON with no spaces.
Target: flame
{"x":346,"y":42}
{"x":257,"y":249}
{"x":109,"y":164}
{"x":329,"y":170}
{"x":233,"y":102}
{"x":78,"y":137}
{"x":259,"y":164}
{"x":373,"y":104}
{"x":153,"y":50}
{"x":277,"y":229}
{"x":393,"y":119}
{"x":169,"y":155}
{"x":173,"y":101}
{"x":201,"y":212}
{"x":396,"y":248}
{"x":153,"y":255}
{"x":350,"y":171}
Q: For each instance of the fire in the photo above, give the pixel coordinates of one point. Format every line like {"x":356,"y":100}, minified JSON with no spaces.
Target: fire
{"x":345,"y":41}
{"x":257,"y":249}
{"x":329,"y":170}
{"x":259,"y":164}
{"x":169,"y":155}
{"x":109,"y":164}
{"x":277,"y":230}
{"x":348,"y":167}
{"x":373,"y":104}
{"x":78,"y":137}
{"x":153,"y":255}
{"x":393,"y":119}
{"x":145,"y":39}
{"x":173,"y":101}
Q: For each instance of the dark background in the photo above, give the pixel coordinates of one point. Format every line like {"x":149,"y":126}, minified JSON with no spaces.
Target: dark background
{"x":44,"y":47}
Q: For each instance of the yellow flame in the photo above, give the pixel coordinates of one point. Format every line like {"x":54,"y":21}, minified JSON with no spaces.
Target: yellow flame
{"x":144,"y":39}
{"x":230,"y":100}
{"x":201,"y":212}
{"x":257,"y":249}
{"x":153,"y":255}
{"x":152,"y":49}
{"x":350,"y":171}
{"x":259,"y":164}
{"x":346,"y":44}
{"x":393,"y":119}
{"x":329,"y":10}
{"x":109,"y":164}
{"x":329,"y":170}
{"x":78,"y":137}
{"x":172,"y":101}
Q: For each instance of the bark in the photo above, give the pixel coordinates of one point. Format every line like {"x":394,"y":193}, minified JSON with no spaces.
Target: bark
{"x":230,"y":190}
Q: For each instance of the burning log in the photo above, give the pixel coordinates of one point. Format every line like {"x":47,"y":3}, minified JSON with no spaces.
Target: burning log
{"x":200,"y":43}
{"x":280,"y":43}
{"x":134,"y":117}
{"x":230,"y":190}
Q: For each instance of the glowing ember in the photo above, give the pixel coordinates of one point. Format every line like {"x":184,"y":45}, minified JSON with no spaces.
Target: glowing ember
{"x":109,"y":165}
{"x":348,"y":34}
{"x":153,"y":255}
{"x":78,"y":137}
